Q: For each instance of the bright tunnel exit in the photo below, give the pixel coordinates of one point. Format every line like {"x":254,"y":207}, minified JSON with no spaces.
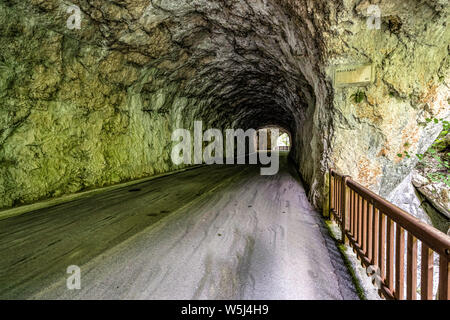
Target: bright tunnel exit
{"x":278,"y":139}
{"x":283,"y":142}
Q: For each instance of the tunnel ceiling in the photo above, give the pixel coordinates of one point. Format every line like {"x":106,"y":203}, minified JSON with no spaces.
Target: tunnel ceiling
{"x":95,"y":106}
{"x":238,"y":57}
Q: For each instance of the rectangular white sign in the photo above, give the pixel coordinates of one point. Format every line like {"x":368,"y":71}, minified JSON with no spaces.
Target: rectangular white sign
{"x":353,"y":75}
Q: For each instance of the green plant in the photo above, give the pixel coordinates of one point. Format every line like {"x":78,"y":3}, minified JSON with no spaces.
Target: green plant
{"x":420,"y":156}
{"x":405,"y":153}
{"x":439,"y":177}
{"x":358,"y":96}
{"x":439,"y":152}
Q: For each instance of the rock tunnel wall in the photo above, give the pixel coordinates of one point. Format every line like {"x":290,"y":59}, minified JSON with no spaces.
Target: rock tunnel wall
{"x":410,"y":55}
{"x":94,"y":106}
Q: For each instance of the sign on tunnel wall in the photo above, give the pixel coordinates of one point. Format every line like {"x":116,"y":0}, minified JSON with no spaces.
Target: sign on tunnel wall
{"x":353,"y":75}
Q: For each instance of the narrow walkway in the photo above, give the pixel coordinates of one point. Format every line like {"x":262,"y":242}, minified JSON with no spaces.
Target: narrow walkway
{"x":217,"y":232}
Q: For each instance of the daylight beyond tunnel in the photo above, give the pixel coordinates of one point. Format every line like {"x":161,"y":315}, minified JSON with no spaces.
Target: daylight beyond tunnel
{"x":93,"y":102}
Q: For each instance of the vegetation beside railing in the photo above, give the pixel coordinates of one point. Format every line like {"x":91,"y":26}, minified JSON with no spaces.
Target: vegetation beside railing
{"x":435,"y":162}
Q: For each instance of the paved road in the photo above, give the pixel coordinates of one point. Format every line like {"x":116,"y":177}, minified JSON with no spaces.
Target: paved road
{"x":216,"y":232}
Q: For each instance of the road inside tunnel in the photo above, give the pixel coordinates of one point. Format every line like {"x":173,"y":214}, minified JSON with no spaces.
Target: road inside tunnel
{"x":215,"y":232}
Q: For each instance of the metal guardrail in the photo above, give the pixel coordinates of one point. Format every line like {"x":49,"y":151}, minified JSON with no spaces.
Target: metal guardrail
{"x":376,"y":230}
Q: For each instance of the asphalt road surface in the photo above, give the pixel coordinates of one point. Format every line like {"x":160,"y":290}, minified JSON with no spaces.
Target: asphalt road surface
{"x":215,"y":232}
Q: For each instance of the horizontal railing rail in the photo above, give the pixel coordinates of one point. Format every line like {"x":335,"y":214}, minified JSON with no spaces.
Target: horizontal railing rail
{"x":391,"y":242}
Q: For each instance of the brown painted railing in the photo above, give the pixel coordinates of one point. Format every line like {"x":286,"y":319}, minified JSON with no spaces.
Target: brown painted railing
{"x":376,"y":230}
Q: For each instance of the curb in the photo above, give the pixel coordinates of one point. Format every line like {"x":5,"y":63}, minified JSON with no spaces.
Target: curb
{"x":12,"y":212}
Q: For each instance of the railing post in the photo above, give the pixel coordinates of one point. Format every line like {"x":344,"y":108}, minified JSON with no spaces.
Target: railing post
{"x":330,"y":192}
{"x":444,"y":278}
{"x":345,"y":208}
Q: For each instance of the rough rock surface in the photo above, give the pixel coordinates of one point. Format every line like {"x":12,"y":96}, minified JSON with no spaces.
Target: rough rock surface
{"x":436,"y":193}
{"x":96,"y":106}
{"x":416,"y":201}
{"x":412,"y":78}
{"x":405,"y":197}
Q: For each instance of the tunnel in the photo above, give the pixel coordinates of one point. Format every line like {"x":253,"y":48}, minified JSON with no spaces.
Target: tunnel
{"x":179,"y":63}
{"x":92,"y":91}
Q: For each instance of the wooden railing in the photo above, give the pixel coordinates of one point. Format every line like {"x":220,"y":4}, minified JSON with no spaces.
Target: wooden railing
{"x":376,"y":230}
